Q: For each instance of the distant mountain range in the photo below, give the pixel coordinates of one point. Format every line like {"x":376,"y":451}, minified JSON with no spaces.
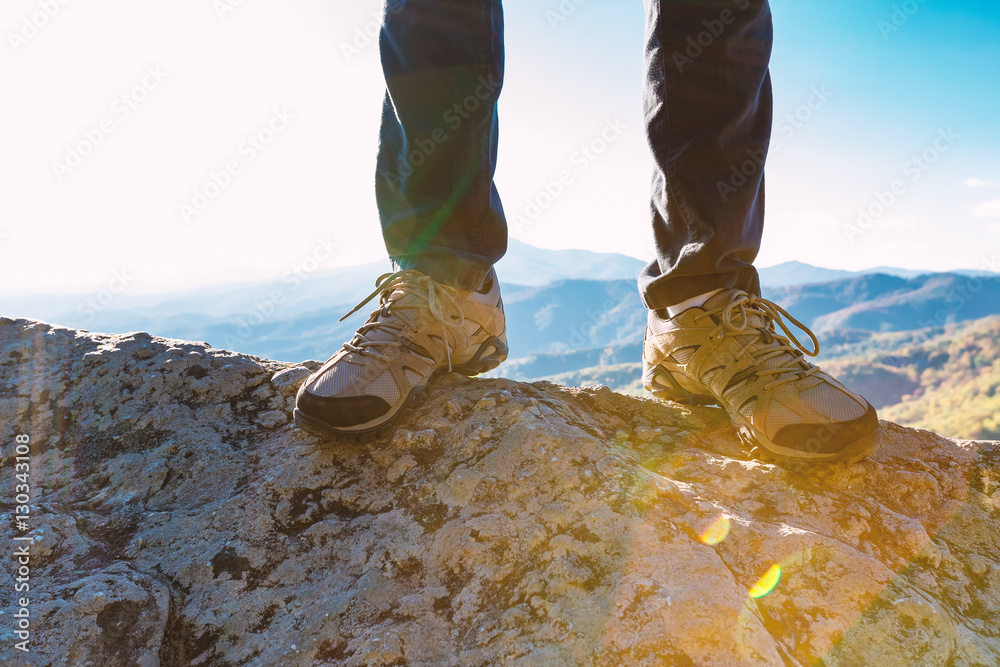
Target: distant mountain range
{"x":889,"y":303}
{"x":527,"y":265}
{"x":344,"y":286}
{"x":566,"y":309}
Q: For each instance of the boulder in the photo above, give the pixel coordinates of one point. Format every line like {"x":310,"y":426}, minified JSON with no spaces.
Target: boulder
{"x":178,"y":517}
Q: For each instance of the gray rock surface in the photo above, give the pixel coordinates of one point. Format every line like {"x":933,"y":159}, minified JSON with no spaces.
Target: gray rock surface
{"x":179,"y":518}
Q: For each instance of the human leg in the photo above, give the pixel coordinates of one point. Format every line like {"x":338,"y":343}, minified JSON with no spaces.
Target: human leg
{"x":439,"y":208}
{"x":707,"y":102}
{"x":441,"y":217}
{"x":710,"y":337}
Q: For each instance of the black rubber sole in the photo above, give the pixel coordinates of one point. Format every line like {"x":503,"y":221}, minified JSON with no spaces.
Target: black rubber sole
{"x":490,"y":354}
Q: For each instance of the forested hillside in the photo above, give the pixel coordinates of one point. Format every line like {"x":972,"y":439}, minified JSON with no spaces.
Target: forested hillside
{"x":948,"y":384}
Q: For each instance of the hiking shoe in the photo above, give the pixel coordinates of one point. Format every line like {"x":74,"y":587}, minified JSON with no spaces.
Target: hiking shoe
{"x":727,"y":352}
{"x":422,"y":328}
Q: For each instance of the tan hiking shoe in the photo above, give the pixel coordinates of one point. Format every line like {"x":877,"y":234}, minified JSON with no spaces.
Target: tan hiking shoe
{"x":727,"y":352}
{"x":422,"y":327}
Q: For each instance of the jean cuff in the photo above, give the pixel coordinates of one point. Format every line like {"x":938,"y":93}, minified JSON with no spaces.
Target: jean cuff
{"x":667,"y":291}
{"x":446,"y":269}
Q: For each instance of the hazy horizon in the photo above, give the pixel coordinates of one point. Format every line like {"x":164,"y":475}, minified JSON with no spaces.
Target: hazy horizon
{"x":330,"y":271}
{"x":161,"y":97}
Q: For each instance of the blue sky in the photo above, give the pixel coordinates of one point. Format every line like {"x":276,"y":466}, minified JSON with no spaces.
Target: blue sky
{"x":231,"y":71}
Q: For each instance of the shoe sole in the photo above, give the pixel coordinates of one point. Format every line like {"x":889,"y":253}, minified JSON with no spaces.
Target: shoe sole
{"x":490,"y":354}
{"x":661,"y":384}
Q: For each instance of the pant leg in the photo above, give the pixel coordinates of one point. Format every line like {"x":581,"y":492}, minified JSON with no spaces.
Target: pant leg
{"x":708,"y":110}
{"x":440,"y":211}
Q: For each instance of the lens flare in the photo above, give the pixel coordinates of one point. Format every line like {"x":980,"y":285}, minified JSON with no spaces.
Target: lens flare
{"x":766,"y":583}
{"x":716,"y":532}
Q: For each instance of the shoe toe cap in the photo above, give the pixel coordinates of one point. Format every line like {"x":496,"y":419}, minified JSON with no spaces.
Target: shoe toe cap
{"x":828,"y":438}
{"x":341,"y":411}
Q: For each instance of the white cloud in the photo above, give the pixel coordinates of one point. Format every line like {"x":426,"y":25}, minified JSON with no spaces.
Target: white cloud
{"x":974,"y":182}
{"x":989,"y":209}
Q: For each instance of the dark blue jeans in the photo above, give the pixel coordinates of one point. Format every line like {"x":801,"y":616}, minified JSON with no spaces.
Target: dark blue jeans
{"x":707,"y":102}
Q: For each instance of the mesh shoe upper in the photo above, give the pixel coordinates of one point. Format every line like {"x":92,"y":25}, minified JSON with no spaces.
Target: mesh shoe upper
{"x":421,"y":327}
{"x":729,"y":352}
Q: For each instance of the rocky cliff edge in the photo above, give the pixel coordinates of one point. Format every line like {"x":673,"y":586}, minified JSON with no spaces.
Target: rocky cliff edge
{"x":178,"y":518}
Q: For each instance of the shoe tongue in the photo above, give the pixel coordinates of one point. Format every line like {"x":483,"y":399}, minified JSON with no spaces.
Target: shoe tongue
{"x":778,"y":359}
{"x":724,"y":298}
{"x":415,"y":314}
{"x":720,"y":299}
{"x":400,"y":296}
{"x":394,"y":318}
{"x":382,"y":335}
{"x":754,"y":320}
